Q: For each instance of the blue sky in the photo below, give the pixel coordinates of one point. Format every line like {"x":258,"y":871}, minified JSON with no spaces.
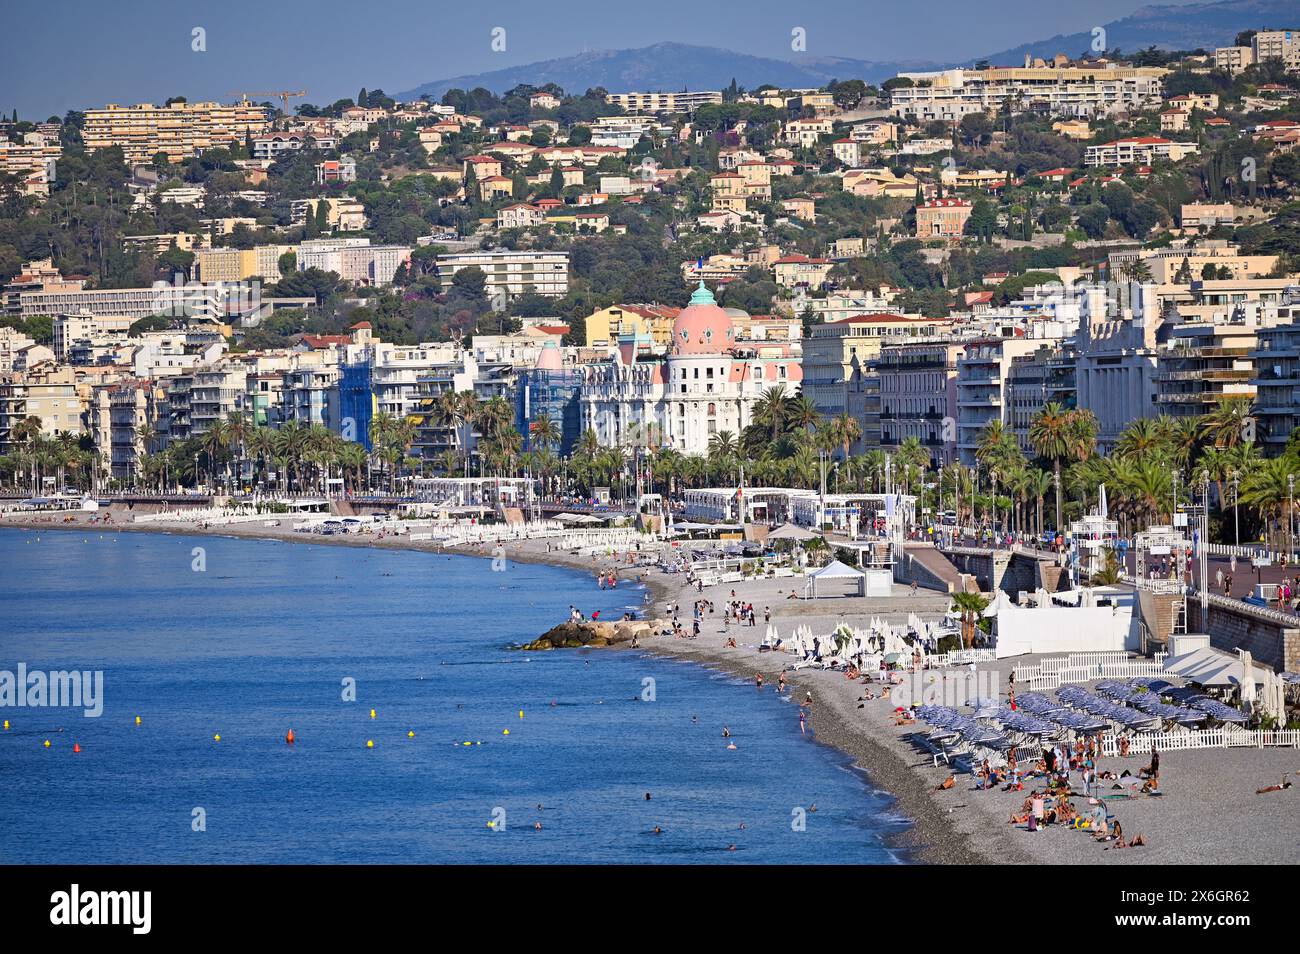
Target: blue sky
{"x":73,"y":54}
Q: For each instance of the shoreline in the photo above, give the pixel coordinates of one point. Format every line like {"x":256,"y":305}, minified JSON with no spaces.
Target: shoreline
{"x":930,"y":836}
{"x":960,"y":825}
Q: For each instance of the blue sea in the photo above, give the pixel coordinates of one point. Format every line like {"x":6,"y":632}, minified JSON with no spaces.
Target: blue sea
{"x":267,"y":636}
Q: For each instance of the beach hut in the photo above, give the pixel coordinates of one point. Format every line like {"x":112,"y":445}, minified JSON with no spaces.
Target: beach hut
{"x":835,"y":576}
{"x":788,"y":531}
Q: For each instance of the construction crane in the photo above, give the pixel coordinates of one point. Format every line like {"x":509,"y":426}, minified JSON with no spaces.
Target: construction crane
{"x":284,"y":95}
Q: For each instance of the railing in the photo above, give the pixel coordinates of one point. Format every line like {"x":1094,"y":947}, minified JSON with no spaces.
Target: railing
{"x":1052,"y":672}
{"x":1250,"y":609}
{"x":959,"y":657}
{"x":1141,"y":743}
{"x":1155,"y":585}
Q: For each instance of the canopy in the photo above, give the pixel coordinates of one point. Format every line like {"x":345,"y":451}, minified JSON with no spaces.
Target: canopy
{"x":788,"y":531}
{"x":835,"y":570}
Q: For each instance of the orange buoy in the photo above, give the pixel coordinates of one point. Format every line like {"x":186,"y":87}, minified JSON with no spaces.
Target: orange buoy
{"x":289,"y":738}
{"x":76,"y":746}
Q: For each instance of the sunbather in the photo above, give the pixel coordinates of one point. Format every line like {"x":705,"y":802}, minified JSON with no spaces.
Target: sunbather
{"x":1274,"y":788}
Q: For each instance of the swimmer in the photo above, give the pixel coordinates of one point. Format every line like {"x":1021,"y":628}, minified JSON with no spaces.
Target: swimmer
{"x":658,"y":830}
{"x":647,"y":796}
{"x":726,"y":732}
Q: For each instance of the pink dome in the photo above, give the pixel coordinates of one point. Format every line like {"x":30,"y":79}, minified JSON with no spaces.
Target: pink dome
{"x":702,"y":327}
{"x":548,"y":359}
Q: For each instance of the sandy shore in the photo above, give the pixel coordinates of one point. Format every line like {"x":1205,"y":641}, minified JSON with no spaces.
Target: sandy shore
{"x":1209,"y":812}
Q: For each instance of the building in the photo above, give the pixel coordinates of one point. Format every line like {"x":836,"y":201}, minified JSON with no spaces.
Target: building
{"x":1281,"y":45}
{"x":1201,"y":364}
{"x":683,"y":102}
{"x":1144,"y":150}
{"x":1233,"y":59}
{"x":336,"y":170}
{"x":1277,"y":376}
{"x":1208,"y":214}
{"x":982,"y":374}
{"x":239,"y":264}
{"x":1034,"y":379}
{"x":834,"y":350}
{"x":942,"y":218}
{"x":608,"y":325}
{"x":1055,"y":91}
{"x":354,"y":260}
{"x":512,"y":272}
{"x":1117,"y":352}
{"x":707,"y":384}
{"x":272,"y":145}
{"x":33,"y":163}
{"x":344,"y":214}
{"x":552,"y":390}
{"x":918,"y":396}
{"x":180,"y":129}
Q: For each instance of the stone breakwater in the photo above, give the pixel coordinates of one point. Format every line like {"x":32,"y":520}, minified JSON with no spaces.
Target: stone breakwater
{"x":596,"y":633}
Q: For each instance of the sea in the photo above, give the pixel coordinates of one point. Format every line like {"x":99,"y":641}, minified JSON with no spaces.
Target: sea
{"x":421,"y":733}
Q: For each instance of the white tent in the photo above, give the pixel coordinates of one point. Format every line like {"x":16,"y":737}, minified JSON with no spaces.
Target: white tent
{"x":1248,"y":694}
{"x":788,"y":531}
{"x":835,"y":571}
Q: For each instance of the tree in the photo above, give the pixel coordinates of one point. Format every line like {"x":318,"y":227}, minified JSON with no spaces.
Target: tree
{"x":969,"y":606}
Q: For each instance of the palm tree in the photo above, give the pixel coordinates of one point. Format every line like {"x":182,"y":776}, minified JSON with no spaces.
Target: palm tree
{"x":1140,"y":440}
{"x":215,"y":440}
{"x":1228,"y":424}
{"x":969,"y":606}
{"x":1049,"y":435}
{"x":1266,"y":487}
{"x":544,"y":432}
{"x":770,"y":410}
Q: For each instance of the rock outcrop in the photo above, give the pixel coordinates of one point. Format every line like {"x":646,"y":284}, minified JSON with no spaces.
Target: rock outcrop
{"x":597,"y":633}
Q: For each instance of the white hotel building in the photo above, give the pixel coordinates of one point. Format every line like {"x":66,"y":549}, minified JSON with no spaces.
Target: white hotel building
{"x":707,"y":383}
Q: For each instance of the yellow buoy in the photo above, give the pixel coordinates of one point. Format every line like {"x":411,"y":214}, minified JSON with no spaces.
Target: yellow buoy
{"x":411,"y":734}
{"x":47,"y":743}
{"x":372,"y":713}
{"x":505,"y":731}
{"x":6,"y":723}
{"x":370,"y":743}
{"x":217,"y":737}
{"x":521,"y":713}
{"x":469,"y":743}
{"x":137,"y":720}
{"x":492,"y":824}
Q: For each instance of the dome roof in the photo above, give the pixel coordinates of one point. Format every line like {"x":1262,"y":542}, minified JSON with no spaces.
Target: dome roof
{"x":702,"y":327}
{"x":548,"y":359}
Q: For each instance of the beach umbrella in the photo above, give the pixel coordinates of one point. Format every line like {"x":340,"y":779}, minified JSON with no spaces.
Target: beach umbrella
{"x":1247,"y":681}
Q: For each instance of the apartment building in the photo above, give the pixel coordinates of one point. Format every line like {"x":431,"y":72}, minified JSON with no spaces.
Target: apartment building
{"x":1117,"y":352}
{"x":1277,"y":375}
{"x":1034,"y":379}
{"x":239,"y":264}
{"x":606,"y":326}
{"x":180,"y":130}
{"x":1056,"y":91}
{"x":918,"y":396}
{"x":833,"y":351}
{"x":1281,"y":45}
{"x":682,"y":102}
{"x":1138,"y":149}
{"x":1233,"y":59}
{"x":981,"y":384}
{"x":33,"y":164}
{"x":354,"y":260}
{"x":341,"y":215}
{"x":1201,"y":364}
{"x":273,"y":145}
{"x":51,"y":394}
{"x":512,"y":272}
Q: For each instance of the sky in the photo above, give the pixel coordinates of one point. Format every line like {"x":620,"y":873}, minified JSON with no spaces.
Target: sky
{"x":75,"y":54}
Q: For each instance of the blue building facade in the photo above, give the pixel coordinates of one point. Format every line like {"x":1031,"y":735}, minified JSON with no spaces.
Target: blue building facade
{"x":356,"y":402}
{"x":554,"y":394}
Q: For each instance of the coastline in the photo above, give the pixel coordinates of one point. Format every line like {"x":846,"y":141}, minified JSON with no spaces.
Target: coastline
{"x":959,"y":825}
{"x":930,"y":837}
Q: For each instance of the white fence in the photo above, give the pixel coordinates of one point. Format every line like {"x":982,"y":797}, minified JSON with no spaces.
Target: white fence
{"x":1220,"y":738}
{"x":960,"y":657}
{"x":1052,"y":672}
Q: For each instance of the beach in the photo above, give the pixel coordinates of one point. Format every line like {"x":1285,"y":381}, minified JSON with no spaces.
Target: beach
{"x":1209,"y":812}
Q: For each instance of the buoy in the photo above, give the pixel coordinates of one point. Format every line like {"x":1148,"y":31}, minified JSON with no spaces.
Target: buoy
{"x":411,"y":734}
{"x":137,"y":720}
{"x":372,"y":713}
{"x":6,"y":723}
{"x":521,"y":713}
{"x":492,"y":824}
{"x":47,"y":743}
{"x":469,"y":743}
{"x":289,"y":738}
{"x":76,"y":746}
{"x":505,"y":731}
{"x":217,"y":737}
{"x":370,"y":743}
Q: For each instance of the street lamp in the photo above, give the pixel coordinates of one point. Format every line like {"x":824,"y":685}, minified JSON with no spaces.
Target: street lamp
{"x":1204,"y":552}
{"x":1236,"y":525}
{"x":1290,"y":515}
